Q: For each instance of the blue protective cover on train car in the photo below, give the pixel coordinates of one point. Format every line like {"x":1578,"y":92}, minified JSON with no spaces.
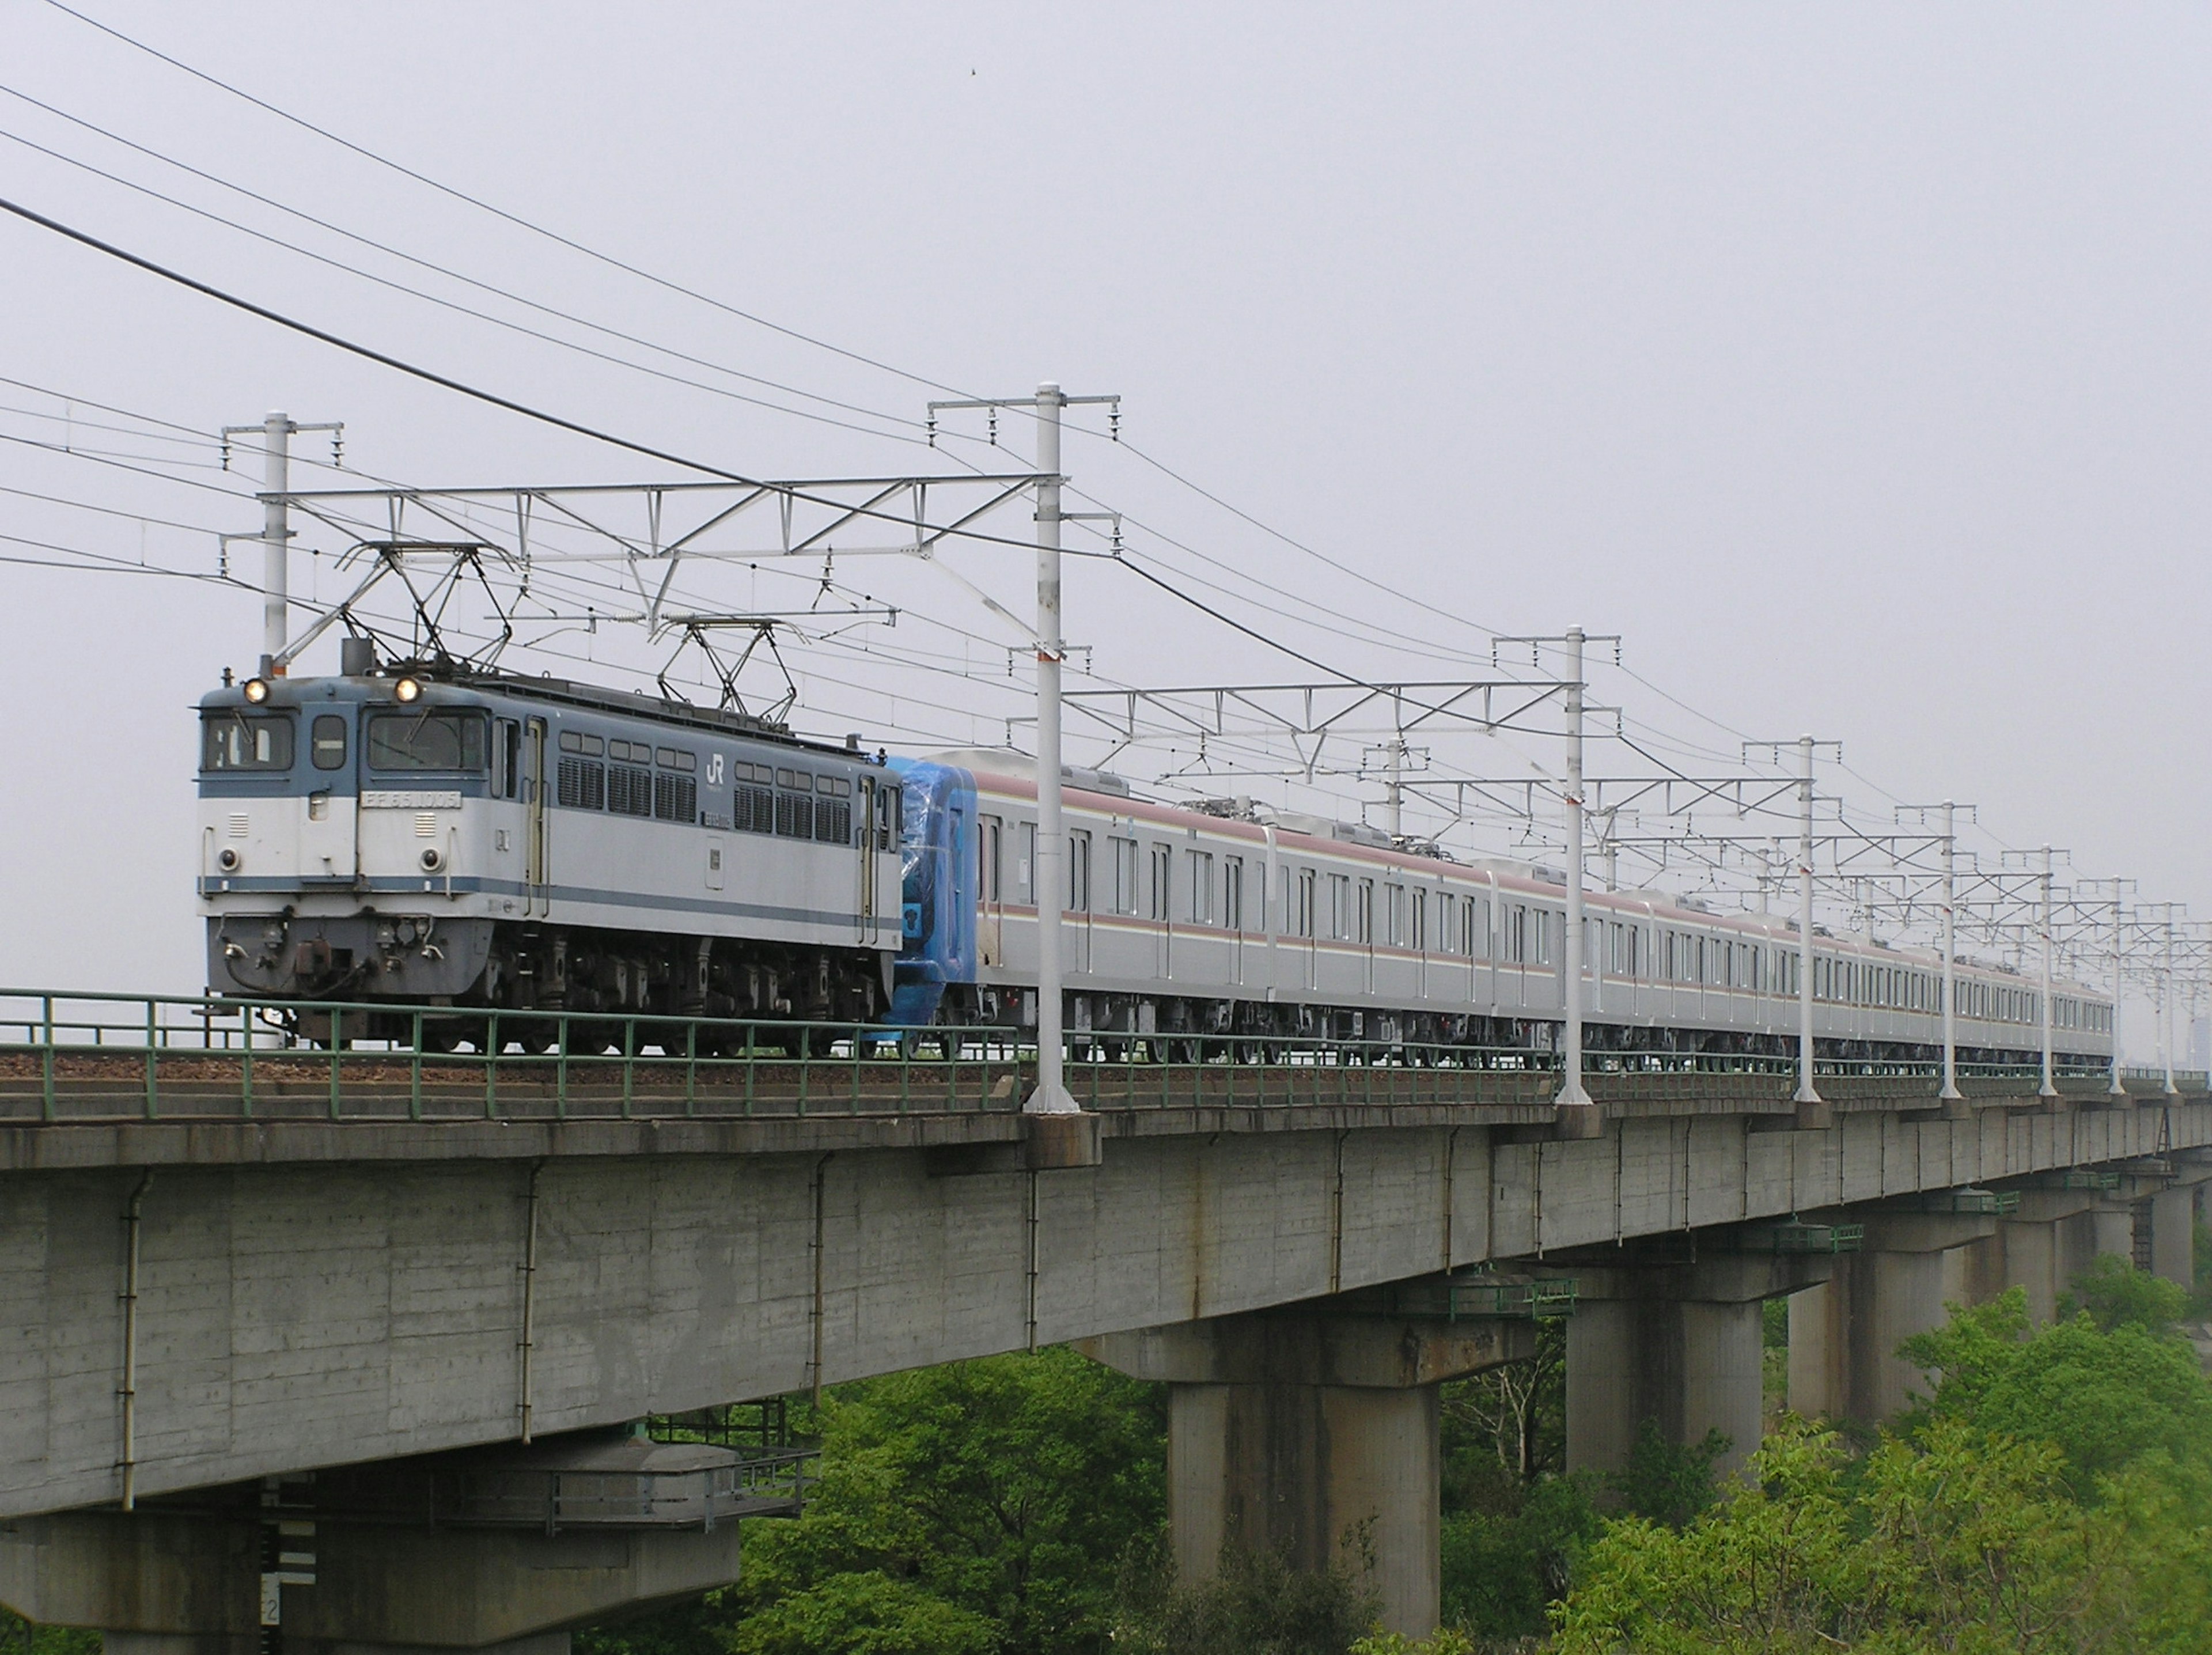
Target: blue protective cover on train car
{"x":936,"y":852}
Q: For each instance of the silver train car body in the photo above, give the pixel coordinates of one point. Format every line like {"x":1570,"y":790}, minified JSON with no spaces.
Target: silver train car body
{"x":526,"y":843}
{"x":1183,"y":921}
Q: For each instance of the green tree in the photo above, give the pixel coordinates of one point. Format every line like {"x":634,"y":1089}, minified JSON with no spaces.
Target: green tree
{"x":2104,"y":1396}
{"x":2115,"y":1295}
{"x":1957,"y":1541}
{"x":979,"y":1505}
{"x":1254,"y":1603}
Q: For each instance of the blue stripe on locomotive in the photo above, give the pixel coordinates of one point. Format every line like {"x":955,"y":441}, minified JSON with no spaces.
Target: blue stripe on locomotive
{"x":937,"y":855}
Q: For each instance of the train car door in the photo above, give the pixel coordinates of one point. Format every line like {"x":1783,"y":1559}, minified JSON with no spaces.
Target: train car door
{"x":1162,"y":895}
{"x":538,"y":896}
{"x":1232,"y":916}
{"x":990,"y":916}
{"x":867,"y":838}
{"x":1078,"y":925}
{"x":330,"y":846}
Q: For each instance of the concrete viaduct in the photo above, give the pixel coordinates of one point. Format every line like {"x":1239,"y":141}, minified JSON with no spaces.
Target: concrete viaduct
{"x":271,"y":1376}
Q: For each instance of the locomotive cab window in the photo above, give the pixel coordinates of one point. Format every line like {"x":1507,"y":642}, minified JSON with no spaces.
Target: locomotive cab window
{"x":240,"y":741}
{"x":326,"y":741}
{"x":427,"y":741}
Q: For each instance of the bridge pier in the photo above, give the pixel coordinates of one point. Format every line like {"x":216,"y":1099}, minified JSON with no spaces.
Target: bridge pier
{"x":1676,"y":1344}
{"x":1843,"y":1336}
{"x":1316,"y":1432}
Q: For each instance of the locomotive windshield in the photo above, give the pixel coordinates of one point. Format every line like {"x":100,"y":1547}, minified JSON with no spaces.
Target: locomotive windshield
{"x":427,"y":741}
{"x":245,"y":741}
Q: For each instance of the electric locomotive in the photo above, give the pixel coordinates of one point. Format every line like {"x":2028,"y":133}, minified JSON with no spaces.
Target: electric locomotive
{"x":420,"y":834}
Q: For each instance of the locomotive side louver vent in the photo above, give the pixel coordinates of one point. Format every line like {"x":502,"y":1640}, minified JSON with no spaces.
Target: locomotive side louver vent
{"x":583,"y":784}
{"x":237,"y":825}
{"x":755,"y":809}
{"x":675,"y":797}
{"x":629,"y":790}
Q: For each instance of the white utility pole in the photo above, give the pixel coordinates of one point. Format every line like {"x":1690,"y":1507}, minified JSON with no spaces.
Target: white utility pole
{"x":1572,"y":1093}
{"x":2166,"y":1006}
{"x":1049,"y":877}
{"x":1393,"y":793}
{"x":1807,"y":1093}
{"x":1051,"y":1096}
{"x":276,"y":536}
{"x":1950,"y":1092}
{"x":2118,"y":1087}
{"x":2049,"y":1088}
{"x":276,"y":431}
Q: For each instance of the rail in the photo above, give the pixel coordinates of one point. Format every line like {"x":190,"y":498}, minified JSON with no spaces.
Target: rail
{"x":67,"y":1056}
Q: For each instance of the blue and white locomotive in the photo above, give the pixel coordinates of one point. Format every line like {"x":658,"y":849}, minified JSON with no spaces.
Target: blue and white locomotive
{"x":430,"y":837}
{"x":433,"y":838}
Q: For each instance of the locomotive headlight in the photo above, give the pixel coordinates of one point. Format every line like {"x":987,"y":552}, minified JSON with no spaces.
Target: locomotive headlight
{"x":228,"y":860}
{"x":433,"y":860}
{"x":257,"y":690}
{"x":407,"y":689}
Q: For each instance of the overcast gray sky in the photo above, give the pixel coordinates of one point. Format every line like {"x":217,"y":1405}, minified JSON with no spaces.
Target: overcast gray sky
{"x":1850,"y":360}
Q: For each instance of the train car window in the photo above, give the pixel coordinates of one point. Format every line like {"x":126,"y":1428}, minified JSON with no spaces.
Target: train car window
{"x":1125,"y":876}
{"x":326,"y":741}
{"x":582,"y":784}
{"x":1304,"y":925}
{"x":1339,"y":906}
{"x":1543,"y":936}
{"x":989,"y":854}
{"x":1394,"y":915}
{"x":1025,"y":864}
{"x":1421,"y":935}
{"x":1516,"y":933}
{"x":1078,"y":873}
{"x":1447,"y":922}
{"x":1366,"y":912}
{"x":1201,"y":887}
{"x":237,"y":741}
{"x":427,"y":741}
{"x":889,"y":801}
{"x":507,"y":759}
{"x":674,"y":759}
{"x":1162,"y":876}
{"x":1232,"y":894}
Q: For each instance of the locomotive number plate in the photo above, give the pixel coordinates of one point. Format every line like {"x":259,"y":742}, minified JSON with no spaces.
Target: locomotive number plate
{"x":410,"y":800}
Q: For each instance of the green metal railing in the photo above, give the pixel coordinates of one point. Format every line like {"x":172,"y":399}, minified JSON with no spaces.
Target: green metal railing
{"x":1972,"y":1203}
{"x":66,"y":1056}
{"x":1474,"y":1296}
{"x":1796,"y":1237}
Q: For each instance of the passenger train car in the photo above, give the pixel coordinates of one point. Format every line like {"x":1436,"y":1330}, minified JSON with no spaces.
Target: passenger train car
{"x":413,"y":836}
{"x":498,"y":840}
{"x":1183,"y":921}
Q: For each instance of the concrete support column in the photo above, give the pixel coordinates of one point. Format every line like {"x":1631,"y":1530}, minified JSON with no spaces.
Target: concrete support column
{"x":2173,"y":1244}
{"x":1843,"y":1336}
{"x":1676,"y":1344}
{"x":1689,"y":1366}
{"x":1314,"y":1433}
